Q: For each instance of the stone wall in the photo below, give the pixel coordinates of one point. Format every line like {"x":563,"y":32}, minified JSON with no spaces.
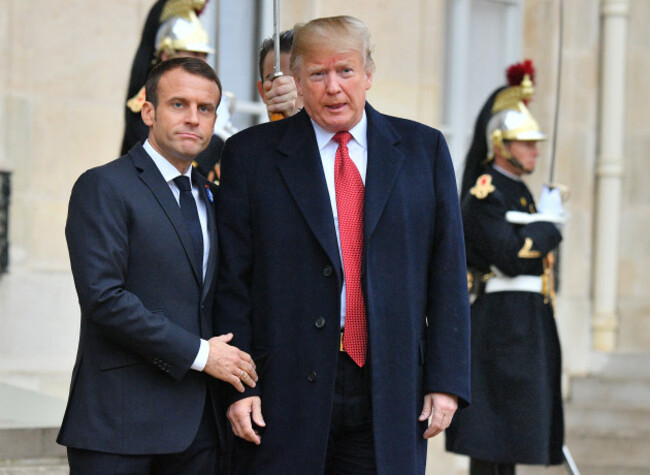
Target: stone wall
{"x":576,"y":142}
{"x":634,"y":282}
{"x":65,"y":65}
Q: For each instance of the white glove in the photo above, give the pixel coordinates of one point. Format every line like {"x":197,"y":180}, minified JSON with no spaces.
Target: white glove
{"x":550,"y":203}
{"x":549,"y":209}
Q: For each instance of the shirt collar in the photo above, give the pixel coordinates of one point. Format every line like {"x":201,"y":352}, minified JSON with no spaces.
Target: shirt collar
{"x":512,"y":176}
{"x":358,"y":132}
{"x":168,"y":171}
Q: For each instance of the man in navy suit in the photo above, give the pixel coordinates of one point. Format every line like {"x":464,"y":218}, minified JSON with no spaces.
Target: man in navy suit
{"x":343,"y":274}
{"x":142,"y":239}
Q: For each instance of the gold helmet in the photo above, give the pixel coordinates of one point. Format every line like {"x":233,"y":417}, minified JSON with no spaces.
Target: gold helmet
{"x":181,"y":30}
{"x":511,"y":119}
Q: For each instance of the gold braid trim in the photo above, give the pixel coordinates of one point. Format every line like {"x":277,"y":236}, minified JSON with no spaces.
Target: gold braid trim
{"x":180,"y":8}
{"x":526,"y":251}
{"x":483,"y":187}
{"x":511,"y":97}
{"x":137,"y":101}
{"x":548,"y":279}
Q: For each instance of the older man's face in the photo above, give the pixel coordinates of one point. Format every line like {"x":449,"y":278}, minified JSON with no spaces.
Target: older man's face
{"x":333,"y":84}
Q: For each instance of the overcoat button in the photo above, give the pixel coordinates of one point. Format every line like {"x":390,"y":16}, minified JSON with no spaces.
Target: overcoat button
{"x":320,"y":322}
{"x":312,"y":376}
{"x":327,"y":271}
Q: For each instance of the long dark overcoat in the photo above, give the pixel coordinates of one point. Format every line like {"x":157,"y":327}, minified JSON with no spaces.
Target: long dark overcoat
{"x":280,"y":284}
{"x":516,"y":412}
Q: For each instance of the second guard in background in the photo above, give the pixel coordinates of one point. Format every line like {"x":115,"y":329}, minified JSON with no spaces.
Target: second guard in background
{"x":279,"y":93}
{"x":516,"y":415}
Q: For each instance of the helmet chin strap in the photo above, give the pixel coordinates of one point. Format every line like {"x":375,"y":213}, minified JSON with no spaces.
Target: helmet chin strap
{"x":497,"y":139}
{"x":512,"y":160}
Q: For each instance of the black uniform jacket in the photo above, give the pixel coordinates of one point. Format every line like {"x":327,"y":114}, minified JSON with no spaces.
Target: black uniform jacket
{"x":516,"y":412}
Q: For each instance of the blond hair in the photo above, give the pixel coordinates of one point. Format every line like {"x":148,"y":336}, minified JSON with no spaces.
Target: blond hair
{"x":338,"y":32}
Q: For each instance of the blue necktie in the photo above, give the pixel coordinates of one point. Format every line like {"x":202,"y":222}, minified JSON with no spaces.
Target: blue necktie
{"x":191,"y":215}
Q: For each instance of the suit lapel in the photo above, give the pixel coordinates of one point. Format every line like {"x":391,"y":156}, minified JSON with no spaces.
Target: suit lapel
{"x":151,"y":177}
{"x":302,"y":170}
{"x":208,"y":198}
{"x":384,"y":163}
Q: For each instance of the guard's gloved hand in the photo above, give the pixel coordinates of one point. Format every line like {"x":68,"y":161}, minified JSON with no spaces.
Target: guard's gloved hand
{"x":550,"y":202}
{"x":550,"y":206}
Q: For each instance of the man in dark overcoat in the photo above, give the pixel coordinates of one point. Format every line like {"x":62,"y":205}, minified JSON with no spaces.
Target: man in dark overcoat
{"x":516,"y":413}
{"x":343,"y":274}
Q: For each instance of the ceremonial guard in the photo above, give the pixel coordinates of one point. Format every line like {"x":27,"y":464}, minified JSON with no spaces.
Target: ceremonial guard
{"x":173,"y":29}
{"x":516,"y":412}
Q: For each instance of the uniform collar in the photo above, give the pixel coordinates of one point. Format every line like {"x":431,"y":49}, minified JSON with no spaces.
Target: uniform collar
{"x":512,"y":176}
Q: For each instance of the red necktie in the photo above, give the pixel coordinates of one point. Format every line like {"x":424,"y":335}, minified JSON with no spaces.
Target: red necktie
{"x":349,"y":205}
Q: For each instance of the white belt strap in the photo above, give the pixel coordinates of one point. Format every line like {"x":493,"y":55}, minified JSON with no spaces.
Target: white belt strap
{"x":520,"y":283}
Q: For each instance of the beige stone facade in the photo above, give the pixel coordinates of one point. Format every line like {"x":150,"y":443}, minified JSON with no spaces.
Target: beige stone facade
{"x":64,"y":70}
{"x":64,"y":67}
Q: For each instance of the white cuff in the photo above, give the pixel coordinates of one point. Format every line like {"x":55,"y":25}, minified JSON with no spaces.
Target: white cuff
{"x":202,"y":356}
{"x":519,"y":217}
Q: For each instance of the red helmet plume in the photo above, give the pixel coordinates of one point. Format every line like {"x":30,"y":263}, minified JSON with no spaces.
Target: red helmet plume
{"x":516,"y":72}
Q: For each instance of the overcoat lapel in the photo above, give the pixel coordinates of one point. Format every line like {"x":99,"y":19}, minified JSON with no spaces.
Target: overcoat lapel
{"x":302,"y":170}
{"x":151,"y":177}
{"x":384,"y":164}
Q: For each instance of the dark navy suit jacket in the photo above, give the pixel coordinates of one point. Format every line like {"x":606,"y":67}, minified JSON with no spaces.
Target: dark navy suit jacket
{"x":281,"y":275}
{"x":143,"y":311}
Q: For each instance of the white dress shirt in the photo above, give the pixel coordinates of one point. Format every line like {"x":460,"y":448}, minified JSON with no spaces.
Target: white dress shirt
{"x":358,"y":148}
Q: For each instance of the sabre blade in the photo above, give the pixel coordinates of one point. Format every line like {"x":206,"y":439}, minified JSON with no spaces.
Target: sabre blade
{"x":276,"y":39}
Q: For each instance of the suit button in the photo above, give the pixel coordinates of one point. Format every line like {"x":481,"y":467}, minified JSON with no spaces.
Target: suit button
{"x":327,"y":271}
{"x":320,"y":322}
{"x":311,"y":377}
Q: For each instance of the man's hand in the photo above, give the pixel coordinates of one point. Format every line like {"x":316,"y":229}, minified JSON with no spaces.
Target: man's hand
{"x":280,"y":95}
{"x":242,"y":414}
{"x":229,"y":363}
{"x":441,"y":408}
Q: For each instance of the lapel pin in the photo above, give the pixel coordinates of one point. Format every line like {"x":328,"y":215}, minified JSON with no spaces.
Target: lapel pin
{"x":209,"y":193}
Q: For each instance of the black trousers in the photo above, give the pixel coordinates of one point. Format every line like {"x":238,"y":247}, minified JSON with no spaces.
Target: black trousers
{"x":201,"y":457}
{"x":351,"y":447}
{"x":483,"y":467}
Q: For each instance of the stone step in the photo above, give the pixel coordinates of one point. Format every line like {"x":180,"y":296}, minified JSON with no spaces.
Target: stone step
{"x":595,"y":470}
{"x":603,"y":420}
{"x":615,"y":392}
{"x":50,"y":466}
{"x":623,"y":365}
{"x":541,"y":470}
{"x":29,"y":443}
{"x":29,"y":423}
{"x":619,"y":453}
